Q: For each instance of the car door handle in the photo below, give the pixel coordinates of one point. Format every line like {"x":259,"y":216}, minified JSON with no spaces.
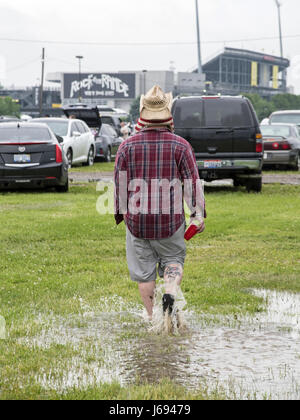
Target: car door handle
{"x":212,"y":150}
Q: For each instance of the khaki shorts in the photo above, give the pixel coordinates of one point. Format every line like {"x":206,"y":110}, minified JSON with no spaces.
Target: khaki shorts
{"x":146,"y":257}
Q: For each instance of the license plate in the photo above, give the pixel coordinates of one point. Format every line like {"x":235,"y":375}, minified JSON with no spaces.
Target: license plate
{"x":212,"y":164}
{"x":22,"y":158}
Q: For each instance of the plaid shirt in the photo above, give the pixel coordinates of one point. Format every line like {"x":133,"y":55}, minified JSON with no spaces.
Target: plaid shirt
{"x":154,"y":154}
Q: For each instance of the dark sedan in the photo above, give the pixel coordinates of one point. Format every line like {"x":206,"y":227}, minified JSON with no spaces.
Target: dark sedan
{"x":31,"y":156}
{"x":281,"y":145}
{"x":107,"y":143}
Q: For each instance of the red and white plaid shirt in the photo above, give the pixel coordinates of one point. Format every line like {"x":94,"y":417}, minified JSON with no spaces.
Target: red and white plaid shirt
{"x":155,"y":154}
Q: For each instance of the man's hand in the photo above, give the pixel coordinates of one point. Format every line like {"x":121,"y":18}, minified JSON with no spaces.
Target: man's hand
{"x":198,"y":221}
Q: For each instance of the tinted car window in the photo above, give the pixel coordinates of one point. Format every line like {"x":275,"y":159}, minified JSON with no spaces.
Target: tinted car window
{"x":227,"y":113}
{"x":58,"y":127}
{"x":24,"y":134}
{"x":189,"y":114}
{"x":212,"y":113}
{"x":107,"y":120}
{"x":286,"y":118}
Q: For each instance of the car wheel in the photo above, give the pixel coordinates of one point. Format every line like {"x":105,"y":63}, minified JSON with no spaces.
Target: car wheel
{"x":236,"y":183}
{"x":108,"y":155}
{"x":254,"y":184}
{"x":90,"y":159}
{"x":63,"y":188}
{"x":296,"y":167}
{"x":70,"y":158}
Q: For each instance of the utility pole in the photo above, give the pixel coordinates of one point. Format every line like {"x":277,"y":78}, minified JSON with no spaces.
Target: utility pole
{"x":198,"y":37}
{"x":42,"y":82}
{"x":79,"y":57}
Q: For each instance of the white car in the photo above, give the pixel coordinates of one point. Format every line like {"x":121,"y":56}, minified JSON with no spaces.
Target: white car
{"x":78,"y":140}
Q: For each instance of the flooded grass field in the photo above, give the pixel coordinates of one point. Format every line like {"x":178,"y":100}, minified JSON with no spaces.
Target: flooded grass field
{"x":253,"y":357}
{"x":73,"y":326}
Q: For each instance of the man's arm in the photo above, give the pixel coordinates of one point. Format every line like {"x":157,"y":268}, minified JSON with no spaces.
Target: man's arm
{"x":193,"y":190}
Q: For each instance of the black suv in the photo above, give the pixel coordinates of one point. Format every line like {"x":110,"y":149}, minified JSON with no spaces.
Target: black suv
{"x":225,"y":135}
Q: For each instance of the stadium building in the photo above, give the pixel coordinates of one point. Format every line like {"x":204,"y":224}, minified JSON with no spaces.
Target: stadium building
{"x":234,"y":71}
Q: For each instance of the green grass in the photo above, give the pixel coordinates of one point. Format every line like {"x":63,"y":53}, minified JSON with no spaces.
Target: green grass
{"x":57,"y":252}
{"x":97,"y":167}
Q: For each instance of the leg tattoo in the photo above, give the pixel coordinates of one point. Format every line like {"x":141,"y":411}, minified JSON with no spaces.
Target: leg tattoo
{"x":173,"y":277}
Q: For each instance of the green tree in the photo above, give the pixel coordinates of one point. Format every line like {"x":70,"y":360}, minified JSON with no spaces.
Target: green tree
{"x":135,"y":109}
{"x":263,"y":108}
{"x":286,"y":101}
{"x":9,"y":107}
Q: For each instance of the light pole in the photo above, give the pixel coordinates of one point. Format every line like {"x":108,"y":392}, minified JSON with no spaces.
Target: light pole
{"x":144,"y":80}
{"x":79,"y":57}
{"x":198,"y":38}
{"x":284,"y":72}
{"x":280,"y":30}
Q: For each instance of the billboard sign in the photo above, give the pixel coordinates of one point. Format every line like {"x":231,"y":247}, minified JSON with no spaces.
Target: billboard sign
{"x":254,"y":73}
{"x":99,"y":85}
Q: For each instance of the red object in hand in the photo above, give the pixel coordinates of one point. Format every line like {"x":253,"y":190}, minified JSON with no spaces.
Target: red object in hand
{"x":191,"y":232}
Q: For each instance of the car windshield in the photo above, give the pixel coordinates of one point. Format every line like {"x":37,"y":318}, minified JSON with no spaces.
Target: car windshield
{"x":275,"y":130}
{"x":24,"y":134}
{"x":58,"y":127}
{"x":195,"y":113}
{"x":286,"y":118}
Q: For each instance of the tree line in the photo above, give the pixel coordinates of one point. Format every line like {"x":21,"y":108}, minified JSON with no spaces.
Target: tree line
{"x":281,"y":102}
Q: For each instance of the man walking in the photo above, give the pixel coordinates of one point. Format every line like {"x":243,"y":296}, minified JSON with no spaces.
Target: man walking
{"x":150,"y":171}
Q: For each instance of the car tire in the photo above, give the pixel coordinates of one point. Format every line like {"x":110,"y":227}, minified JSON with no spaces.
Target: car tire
{"x":70,"y":158}
{"x":296,"y":167}
{"x":254,"y":184}
{"x":236,"y":183}
{"x":90,"y":159}
{"x":63,"y":188}
{"x":108,"y":155}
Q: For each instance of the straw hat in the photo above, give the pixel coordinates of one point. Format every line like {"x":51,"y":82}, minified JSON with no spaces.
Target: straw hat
{"x":156,"y":105}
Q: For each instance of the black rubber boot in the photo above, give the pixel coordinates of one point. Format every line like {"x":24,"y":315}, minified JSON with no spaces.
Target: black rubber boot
{"x":168,"y":303}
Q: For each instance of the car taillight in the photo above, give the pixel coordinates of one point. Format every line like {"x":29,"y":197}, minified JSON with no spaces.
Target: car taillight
{"x":286,"y":145}
{"x":59,"y":158}
{"x":282,"y":145}
{"x":259,"y":147}
{"x":259,"y":143}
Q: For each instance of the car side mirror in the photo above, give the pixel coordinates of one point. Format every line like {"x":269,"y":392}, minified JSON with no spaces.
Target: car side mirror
{"x":76,"y":134}
{"x":59,"y":138}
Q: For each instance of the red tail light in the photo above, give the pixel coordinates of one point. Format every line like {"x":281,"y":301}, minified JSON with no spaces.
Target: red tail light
{"x":277,"y":145}
{"x":286,"y":145}
{"x":59,"y":158}
{"x":259,"y":147}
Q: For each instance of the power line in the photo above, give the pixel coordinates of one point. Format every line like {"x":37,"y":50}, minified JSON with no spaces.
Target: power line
{"x":142,"y":44}
{"x":27,"y":63}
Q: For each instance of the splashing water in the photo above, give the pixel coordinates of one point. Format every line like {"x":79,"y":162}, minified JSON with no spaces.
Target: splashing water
{"x":163,"y":323}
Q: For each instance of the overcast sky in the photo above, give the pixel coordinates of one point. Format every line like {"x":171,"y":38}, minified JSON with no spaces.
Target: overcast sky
{"x":234,"y":23}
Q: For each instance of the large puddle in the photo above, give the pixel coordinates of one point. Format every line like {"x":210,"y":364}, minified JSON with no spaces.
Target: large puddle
{"x":247,"y":358}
